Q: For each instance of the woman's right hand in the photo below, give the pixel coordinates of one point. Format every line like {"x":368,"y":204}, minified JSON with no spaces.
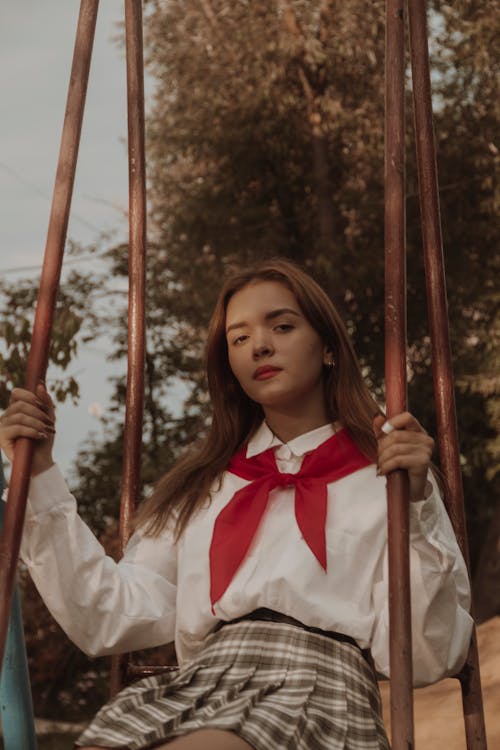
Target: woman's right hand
{"x":29,"y":415}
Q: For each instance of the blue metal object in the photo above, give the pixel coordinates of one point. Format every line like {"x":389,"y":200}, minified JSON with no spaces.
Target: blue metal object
{"x":16,"y":707}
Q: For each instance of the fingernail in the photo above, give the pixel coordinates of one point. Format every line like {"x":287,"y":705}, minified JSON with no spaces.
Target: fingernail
{"x":387,"y":427}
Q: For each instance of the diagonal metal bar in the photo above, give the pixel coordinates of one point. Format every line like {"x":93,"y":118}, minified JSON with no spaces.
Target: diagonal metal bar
{"x":137,"y":284}
{"x":395,"y":371}
{"x":440,"y":338}
{"x":51,"y":271}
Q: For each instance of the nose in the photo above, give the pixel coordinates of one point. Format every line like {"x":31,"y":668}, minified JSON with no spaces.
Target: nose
{"x":262,"y":346}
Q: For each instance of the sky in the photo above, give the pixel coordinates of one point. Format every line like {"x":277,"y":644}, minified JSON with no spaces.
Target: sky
{"x":36,"y":43}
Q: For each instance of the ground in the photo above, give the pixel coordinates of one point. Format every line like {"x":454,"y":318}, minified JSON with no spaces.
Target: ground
{"x":438,"y":708}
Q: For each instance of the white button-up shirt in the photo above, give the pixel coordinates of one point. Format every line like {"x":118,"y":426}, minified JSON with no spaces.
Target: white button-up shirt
{"x":160,"y":590}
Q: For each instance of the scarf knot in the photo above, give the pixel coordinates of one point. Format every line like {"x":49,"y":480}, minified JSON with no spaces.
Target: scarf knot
{"x":237,"y":524}
{"x":285,"y":480}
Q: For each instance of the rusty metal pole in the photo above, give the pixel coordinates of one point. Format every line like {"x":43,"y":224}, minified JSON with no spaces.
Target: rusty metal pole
{"x":137,"y":284}
{"x":137,"y":265}
{"x":440,"y":338}
{"x":396,"y":386}
{"x":51,"y":271}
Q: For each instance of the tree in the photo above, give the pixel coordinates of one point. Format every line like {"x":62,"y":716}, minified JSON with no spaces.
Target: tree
{"x":74,"y":323}
{"x":469,"y":117}
{"x":266,"y":137}
{"x":237,"y":171}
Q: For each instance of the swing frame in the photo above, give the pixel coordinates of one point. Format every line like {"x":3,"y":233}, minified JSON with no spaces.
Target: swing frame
{"x":395,"y":332}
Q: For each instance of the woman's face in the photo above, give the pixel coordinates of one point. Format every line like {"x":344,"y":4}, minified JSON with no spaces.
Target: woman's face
{"x":274,"y":352}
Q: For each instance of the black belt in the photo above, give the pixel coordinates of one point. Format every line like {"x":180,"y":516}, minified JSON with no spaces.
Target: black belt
{"x":269,"y":615}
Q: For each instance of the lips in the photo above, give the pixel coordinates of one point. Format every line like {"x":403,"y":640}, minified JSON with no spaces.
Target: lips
{"x":264,"y":373}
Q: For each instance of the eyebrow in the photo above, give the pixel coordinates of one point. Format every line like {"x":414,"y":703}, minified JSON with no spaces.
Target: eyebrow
{"x":268,"y":316}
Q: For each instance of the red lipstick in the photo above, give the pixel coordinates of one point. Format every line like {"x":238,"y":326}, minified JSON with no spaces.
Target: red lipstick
{"x":264,"y":373}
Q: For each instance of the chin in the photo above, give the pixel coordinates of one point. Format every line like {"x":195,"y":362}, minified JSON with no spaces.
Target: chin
{"x":283,"y":402}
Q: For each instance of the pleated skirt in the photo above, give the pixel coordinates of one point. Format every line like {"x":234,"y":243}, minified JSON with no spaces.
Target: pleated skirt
{"x":274,"y":685}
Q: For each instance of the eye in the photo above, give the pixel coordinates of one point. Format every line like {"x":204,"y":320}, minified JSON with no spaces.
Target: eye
{"x":283,"y":327}
{"x":239,"y":339}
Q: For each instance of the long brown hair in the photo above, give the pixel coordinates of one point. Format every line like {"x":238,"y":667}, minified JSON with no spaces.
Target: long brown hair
{"x":236,"y":417}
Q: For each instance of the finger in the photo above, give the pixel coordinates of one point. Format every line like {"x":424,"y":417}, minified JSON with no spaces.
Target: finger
{"x":411,"y":455}
{"x":405,"y":459}
{"x":405,"y":421}
{"x":19,"y":410}
{"x":44,"y":397}
{"x":11,"y":434}
{"x":377,"y":425}
{"x":39,"y":421}
{"x":404,"y":440}
{"x":22,"y":395}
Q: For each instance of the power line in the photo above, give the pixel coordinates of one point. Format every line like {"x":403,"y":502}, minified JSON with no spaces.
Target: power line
{"x":71,"y":262}
{"x":43,"y":194}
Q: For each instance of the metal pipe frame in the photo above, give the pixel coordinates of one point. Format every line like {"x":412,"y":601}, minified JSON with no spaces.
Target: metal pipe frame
{"x":396,"y":385}
{"x":137,"y":285}
{"x":440,"y":339}
{"x":395,"y":316}
{"x":137,"y":267}
{"x":54,"y":249}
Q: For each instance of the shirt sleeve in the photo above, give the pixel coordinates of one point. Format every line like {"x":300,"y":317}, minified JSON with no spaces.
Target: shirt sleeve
{"x":440,"y":597}
{"x":104,"y":607}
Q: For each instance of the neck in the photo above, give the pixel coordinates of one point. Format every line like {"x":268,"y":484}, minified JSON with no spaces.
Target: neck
{"x":287,"y":426}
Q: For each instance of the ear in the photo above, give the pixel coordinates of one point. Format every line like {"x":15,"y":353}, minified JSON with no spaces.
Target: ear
{"x":328,"y":359}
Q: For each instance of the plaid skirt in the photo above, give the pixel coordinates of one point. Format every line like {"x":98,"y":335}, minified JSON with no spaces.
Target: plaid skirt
{"x":273,"y":684}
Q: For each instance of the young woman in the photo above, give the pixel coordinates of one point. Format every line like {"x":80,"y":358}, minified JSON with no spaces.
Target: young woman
{"x":263,"y":551}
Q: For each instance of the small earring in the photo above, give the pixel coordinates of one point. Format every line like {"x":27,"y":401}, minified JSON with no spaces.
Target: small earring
{"x":331,"y":363}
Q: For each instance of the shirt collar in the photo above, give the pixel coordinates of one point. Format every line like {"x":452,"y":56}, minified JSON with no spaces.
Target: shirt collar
{"x":264,"y":439}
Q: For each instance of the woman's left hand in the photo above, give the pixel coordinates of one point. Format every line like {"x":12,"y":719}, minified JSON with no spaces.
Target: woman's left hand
{"x":407,"y":446}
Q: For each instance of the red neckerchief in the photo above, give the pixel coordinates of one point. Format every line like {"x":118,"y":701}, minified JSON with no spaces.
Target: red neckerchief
{"x":237,"y":523}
